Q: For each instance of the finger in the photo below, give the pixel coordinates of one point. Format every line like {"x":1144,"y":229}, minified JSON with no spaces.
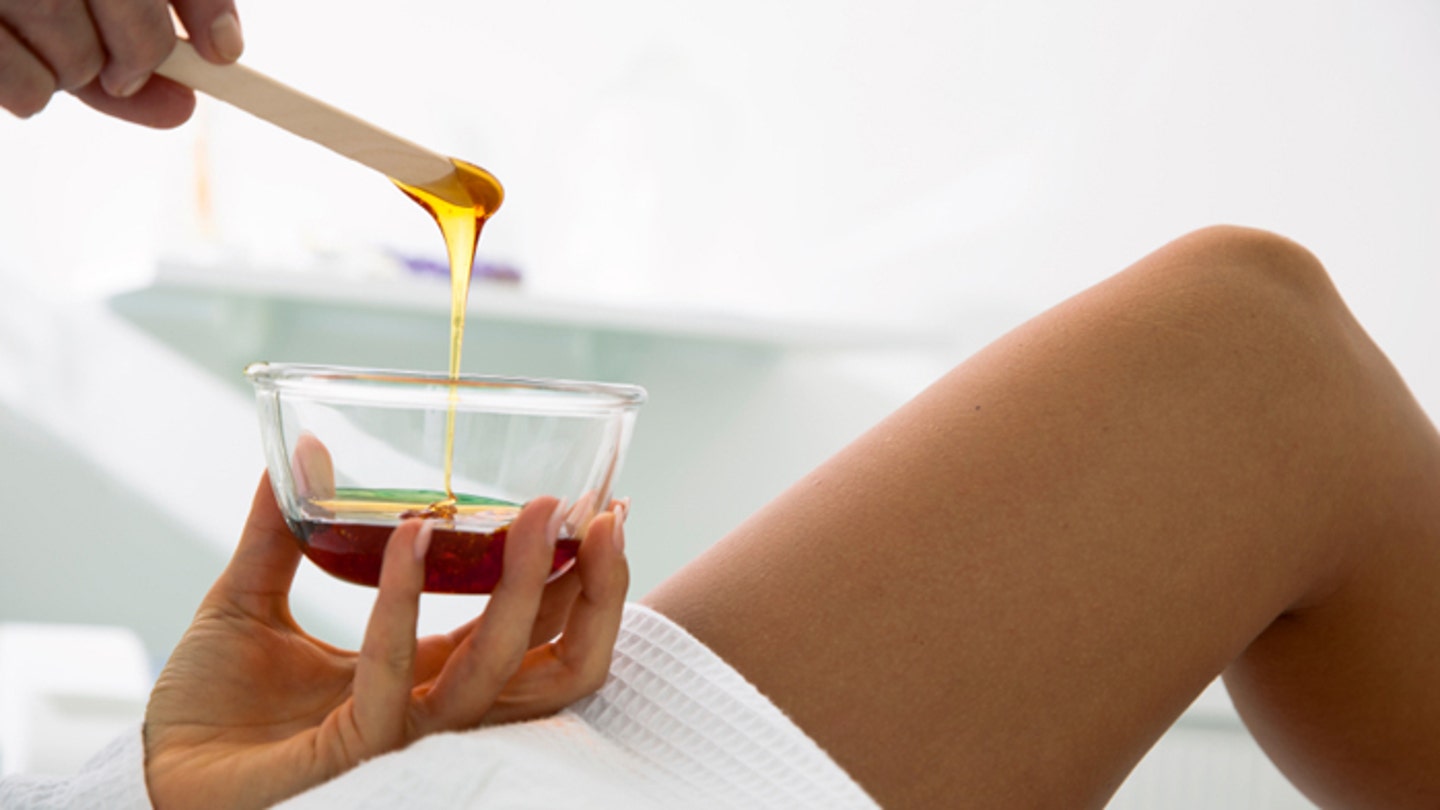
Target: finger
{"x":26,"y":84}
{"x":385,"y":672}
{"x":61,"y":34}
{"x":560,"y":593}
{"x":214,"y":28}
{"x":259,"y":575}
{"x":594,"y":623}
{"x":485,"y":660}
{"x":433,"y":652}
{"x":577,"y":663}
{"x":138,"y":35}
{"x":555,"y":608}
{"x":549,"y":621}
{"x":313,"y":468}
{"x":585,"y":507}
{"x":161,"y":103}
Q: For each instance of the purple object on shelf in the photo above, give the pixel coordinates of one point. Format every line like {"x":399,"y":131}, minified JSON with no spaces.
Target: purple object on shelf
{"x":481,"y":270}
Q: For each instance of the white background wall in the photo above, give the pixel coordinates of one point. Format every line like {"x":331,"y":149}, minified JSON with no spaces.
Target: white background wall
{"x":776,"y":156}
{"x":951,"y":163}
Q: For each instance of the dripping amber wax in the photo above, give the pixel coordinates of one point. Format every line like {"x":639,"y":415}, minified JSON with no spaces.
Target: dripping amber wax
{"x":461,"y":559}
{"x":460,"y":203}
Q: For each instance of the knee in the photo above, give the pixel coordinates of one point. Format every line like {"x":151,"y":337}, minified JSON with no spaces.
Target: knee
{"x":1252,"y":301}
{"x":1249,"y":262}
{"x":1239,"y":283}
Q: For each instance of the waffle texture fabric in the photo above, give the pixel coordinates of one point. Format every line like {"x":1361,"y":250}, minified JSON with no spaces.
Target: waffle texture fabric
{"x":674,"y":726}
{"x":113,"y":779}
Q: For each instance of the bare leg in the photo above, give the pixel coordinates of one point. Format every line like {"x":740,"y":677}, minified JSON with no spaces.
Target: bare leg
{"x":1003,"y":594}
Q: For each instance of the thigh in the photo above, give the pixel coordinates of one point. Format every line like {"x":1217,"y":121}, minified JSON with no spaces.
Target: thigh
{"x":1004,"y":593}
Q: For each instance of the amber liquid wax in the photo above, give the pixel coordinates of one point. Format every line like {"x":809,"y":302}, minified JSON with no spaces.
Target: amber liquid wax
{"x":460,"y":204}
{"x":346,"y":535}
{"x":467,"y":550}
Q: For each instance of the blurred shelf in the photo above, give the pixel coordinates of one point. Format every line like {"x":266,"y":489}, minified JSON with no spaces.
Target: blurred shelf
{"x":502,"y":303}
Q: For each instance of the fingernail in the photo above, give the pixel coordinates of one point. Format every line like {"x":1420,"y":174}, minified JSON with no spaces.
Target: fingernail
{"x":422,"y":540}
{"x":622,"y":510}
{"x":131,"y":87}
{"x":225,"y":36}
{"x":557,"y":518}
{"x":313,"y":468}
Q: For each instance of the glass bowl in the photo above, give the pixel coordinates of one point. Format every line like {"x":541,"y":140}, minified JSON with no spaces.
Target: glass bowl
{"x":352,"y":452}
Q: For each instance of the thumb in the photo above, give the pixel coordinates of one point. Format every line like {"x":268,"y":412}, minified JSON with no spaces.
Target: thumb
{"x":214,"y":28}
{"x":259,"y":575}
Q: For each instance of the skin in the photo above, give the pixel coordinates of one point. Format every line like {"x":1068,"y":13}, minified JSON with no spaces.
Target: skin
{"x":250,"y":709}
{"x":1003,"y":594}
{"x":1200,"y":466}
{"x":999,"y":597}
{"x":105,"y":51}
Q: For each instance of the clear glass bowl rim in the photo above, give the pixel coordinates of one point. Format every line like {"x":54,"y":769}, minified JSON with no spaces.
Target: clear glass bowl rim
{"x":359,"y":385}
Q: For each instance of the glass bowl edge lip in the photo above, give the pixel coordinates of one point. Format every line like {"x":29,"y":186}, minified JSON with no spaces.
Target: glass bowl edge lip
{"x":278,"y":375}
